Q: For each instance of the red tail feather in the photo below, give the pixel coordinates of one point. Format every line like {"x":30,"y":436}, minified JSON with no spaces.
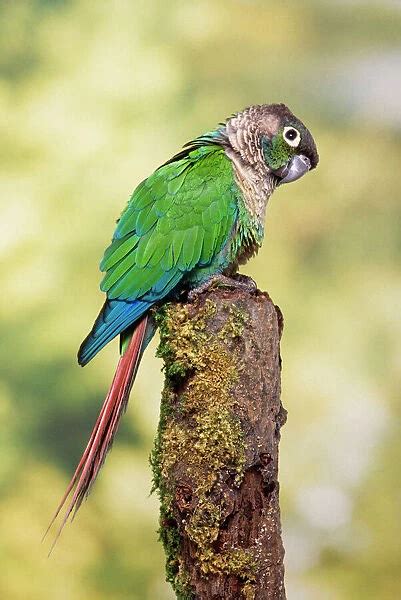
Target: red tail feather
{"x":105,"y":428}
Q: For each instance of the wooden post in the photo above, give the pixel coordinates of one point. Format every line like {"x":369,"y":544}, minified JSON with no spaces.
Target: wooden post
{"x":215,"y":459}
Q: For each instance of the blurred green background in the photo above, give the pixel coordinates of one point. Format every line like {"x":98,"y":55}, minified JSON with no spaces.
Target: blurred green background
{"x":93,"y":97}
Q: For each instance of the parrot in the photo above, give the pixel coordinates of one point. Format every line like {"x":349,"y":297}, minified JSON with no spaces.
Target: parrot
{"x":190,"y":224}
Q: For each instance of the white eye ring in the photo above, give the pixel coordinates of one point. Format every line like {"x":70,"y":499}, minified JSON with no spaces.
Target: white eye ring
{"x":288,"y":135}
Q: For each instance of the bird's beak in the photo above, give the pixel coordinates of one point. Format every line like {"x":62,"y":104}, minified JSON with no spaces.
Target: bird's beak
{"x":296,"y":167}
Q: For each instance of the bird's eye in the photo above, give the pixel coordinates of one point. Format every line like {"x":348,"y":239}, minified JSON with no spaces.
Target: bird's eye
{"x":292,"y":136}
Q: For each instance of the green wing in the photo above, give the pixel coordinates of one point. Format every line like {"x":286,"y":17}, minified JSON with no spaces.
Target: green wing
{"x":177,"y":222}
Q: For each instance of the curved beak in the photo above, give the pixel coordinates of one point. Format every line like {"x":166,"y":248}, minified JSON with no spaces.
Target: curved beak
{"x":296,"y":167}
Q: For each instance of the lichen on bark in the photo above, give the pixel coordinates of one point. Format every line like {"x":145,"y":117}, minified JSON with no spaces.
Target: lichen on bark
{"x":201,"y":450}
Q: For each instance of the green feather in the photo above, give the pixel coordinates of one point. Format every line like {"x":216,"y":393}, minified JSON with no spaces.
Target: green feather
{"x":197,"y":242}
{"x":177,"y":243}
{"x":167,"y":261}
{"x":146,"y":220}
{"x":114,"y":274}
{"x":117,"y":251}
{"x":141,"y":196}
{"x":175,"y":184}
{"x":187,"y":250}
{"x":149,"y":250}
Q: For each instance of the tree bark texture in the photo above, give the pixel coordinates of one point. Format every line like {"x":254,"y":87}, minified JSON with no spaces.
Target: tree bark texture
{"x":215,"y":459}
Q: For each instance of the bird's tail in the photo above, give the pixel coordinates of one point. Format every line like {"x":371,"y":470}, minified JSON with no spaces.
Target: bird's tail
{"x":105,"y":427}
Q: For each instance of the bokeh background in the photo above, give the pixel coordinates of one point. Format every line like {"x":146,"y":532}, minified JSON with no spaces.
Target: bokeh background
{"x":93,"y":97}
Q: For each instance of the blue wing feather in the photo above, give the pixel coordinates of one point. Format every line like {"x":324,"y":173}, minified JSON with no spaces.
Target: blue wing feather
{"x":115,"y":316}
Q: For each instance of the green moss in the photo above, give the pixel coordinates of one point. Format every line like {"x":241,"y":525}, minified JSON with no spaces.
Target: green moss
{"x":180,"y":337}
{"x":235,"y":323}
{"x":170,"y":537}
{"x":248,"y":591}
{"x":239,"y":562}
{"x":182,"y":588}
{"x":199,"y":431}
{"x":165,"y":412}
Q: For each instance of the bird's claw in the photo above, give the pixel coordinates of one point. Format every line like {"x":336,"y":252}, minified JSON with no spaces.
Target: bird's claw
{"x":239,"y":282}
{"x":244,"y":282}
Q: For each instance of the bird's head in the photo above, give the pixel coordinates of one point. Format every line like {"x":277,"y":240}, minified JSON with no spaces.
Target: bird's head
{"x":271,"y":139}
{"x":288,"y":147}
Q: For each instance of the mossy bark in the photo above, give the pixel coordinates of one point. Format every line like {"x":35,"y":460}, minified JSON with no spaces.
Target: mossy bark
{"x":215,"y":460}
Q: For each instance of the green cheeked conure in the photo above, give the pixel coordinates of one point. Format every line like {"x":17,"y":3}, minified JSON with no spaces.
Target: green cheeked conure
{"x":192,"y":221}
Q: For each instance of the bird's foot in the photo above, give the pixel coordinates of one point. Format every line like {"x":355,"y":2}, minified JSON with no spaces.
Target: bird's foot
{"x":244,"y":282}
{"x":238,"y":282}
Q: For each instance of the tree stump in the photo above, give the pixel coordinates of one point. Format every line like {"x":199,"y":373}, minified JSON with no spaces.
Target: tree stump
{"x":215,"y":458}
